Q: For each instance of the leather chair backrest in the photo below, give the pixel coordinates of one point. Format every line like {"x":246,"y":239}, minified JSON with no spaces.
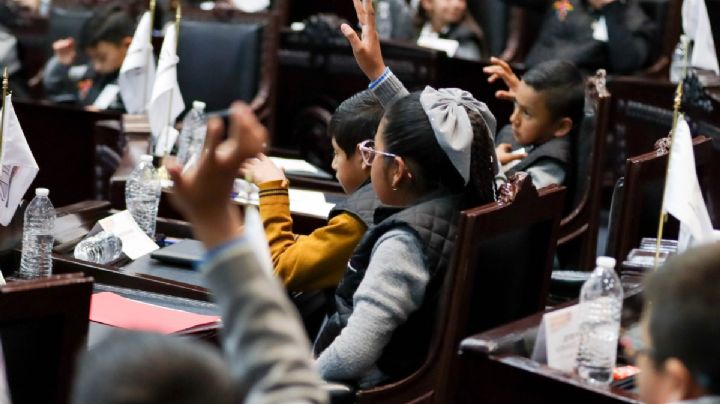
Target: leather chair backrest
{"x":66,"y":22}
{"x":219,"y":62}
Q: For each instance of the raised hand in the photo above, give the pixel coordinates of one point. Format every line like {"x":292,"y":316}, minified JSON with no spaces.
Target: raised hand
{"x":366,"y":48}
{"x":500,"y":69}
{"x":202,"y":193}
{"x":64,"y":50}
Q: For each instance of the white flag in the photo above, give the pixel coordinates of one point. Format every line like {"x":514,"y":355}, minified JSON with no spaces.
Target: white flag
{"x":166,"y":102}
{"x":18,"y":165}
{"x":137,"y":74}
{"x":683,"y":198}
{"x":696,"y":25}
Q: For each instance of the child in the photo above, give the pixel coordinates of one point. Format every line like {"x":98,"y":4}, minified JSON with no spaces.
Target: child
{"x":422,"y":165}
{"x":681,"y":330}
{"x":610,"y":34}
{"x":317,"y":261}
{"x":106,"y":38}
{"x":449,"y":19}
{"x":549,"y":105}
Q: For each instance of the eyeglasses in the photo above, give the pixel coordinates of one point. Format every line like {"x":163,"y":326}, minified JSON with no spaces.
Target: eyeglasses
{"x":368,"y":152}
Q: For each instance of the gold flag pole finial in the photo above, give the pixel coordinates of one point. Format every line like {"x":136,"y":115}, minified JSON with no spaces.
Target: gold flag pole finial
{"x":5,"y":87}
{"x":677,"y":104}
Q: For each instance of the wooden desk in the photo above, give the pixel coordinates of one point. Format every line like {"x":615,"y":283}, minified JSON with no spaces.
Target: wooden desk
{"x":497,"y":368}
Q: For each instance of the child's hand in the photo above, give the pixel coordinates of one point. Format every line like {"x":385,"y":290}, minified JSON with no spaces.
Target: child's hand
{"x":65,"y":51}
{"x":501,"y":70}
{"x":366,"y":49}
{"x":202,"y":193}
{"x":261,"y":169}
{"x":505,"y":154}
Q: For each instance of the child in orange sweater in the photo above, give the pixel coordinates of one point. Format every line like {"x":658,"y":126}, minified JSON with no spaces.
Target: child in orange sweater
{"x":317,"y":261}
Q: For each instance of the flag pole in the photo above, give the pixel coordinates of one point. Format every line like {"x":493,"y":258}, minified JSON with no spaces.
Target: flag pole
{"x":676,"y":117}
{"x":147,"y":61}
{"x":163,"y":171}
{"x":5,"y":86}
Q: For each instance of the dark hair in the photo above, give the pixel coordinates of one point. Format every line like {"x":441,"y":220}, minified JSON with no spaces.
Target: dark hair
{"x":408,"y":134}
{"x":563,"y":87}
{"x":684,"y":319}
{"x":131,"y":367}
{"x":355,"y":119}
{"x":110,"y":23}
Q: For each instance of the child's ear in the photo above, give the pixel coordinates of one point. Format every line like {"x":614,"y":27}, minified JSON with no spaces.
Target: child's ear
{"x":401,"y":173}
{"x":563,"y":127}
{"x":126,"y":41}
{"x":359,"y":162}
{"x":681,"y":381}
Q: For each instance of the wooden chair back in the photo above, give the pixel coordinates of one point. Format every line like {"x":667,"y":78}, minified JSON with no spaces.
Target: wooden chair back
{"x":500,"y":272}
{"x":636,"y":203}
{"x":577,"y":242}
{"x":61,"y":139}
{"x":44,"y":324}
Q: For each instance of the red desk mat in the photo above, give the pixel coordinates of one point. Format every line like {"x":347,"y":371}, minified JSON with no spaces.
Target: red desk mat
{"x":117,"y":311}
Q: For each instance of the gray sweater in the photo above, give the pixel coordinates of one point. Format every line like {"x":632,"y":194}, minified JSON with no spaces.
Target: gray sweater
{"x":263,"y":338}
{"x":393,"y":287}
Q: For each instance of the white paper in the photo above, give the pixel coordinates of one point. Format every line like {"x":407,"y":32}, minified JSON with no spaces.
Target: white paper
{"x":166,"y":102}
{"x":295,"y":165}
{"x":251,"y":6}
{"x":135,"y":243}
{"x":309,"y":202}
{"x":683,"y":198}
{"x":18,"y":167}
{"x":255,"y":235}
{"x":106,"y":96}
{"x":137,"y":74}
{"x":559,"y":338}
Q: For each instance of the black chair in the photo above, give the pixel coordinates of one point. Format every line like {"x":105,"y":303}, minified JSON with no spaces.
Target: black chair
{"x":227,"y":55}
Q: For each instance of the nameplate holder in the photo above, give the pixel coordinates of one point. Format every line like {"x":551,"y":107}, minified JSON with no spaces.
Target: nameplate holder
{"x":558,"y":339}
{"x":135,"y":243}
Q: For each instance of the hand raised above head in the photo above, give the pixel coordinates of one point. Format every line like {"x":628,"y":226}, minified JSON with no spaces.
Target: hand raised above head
{"x":500,"y":69}
{"x":202,"y":193}
{"x":366,"y":48}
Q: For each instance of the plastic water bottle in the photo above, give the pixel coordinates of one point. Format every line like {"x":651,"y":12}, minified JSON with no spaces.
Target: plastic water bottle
{"x":601,"y":304}
{"x":677,"y":64}
{"x":383,"y":19}
{"x":142,"y":195}
{"x":36,"y":259}
{"x":193,"y":132}
{"x":100,"y":248}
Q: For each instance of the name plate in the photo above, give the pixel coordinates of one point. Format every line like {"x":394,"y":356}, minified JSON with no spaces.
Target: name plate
{"x":135,"y":243}
{"x":558,"y":339}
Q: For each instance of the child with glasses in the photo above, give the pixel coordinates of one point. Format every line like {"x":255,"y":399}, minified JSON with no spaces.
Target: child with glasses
{"x":431,"y":157}
{"x":681,"y":330}
{"x":317,"y":261}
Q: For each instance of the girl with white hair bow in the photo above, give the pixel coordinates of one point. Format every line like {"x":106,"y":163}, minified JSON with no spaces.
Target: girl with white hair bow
{"x":431,"y":157}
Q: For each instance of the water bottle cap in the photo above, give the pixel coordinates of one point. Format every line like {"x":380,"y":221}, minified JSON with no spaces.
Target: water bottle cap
{"x":605,"y":262}
{"x":42,"y":192}
{"x":198,"y":105}
{"x":146,"y":158}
